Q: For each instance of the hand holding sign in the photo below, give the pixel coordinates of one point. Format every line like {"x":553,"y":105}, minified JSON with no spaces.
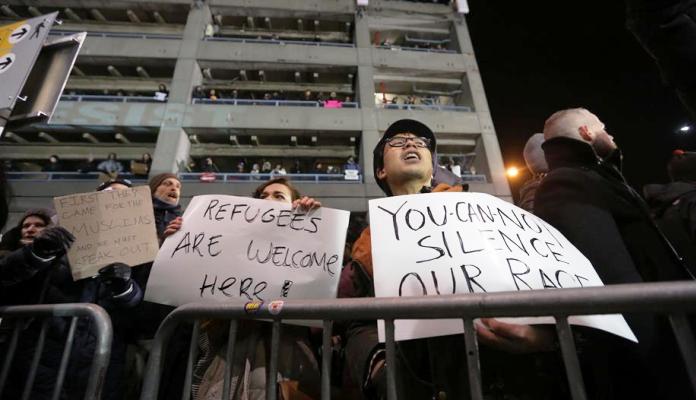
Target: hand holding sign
{"x":235,"y":248}
{"x":109,"y":226}
{"x":447,"y":243}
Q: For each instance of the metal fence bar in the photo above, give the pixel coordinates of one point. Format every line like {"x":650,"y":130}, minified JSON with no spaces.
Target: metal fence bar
{"x":272,"y":378}
{"x":625,"y":298}
{"x":191,"y":360}
{"x":472,"y":360}
{"x":65,"y":358}
{"x":35,"y":360}
{"x":100,"y":322}
{"x":10,"y":355}
{"x":570,"y":358}
{"x":687,"y":346}
{"x":229,"y":358}
{"x":391,"y":358}
{"x":326,"y":353}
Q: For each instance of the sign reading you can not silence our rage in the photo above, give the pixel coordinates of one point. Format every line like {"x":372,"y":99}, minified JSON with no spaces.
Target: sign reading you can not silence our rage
{"x":109,"y":226}
{"x":447,"y":243}
{"x":241,"y":249}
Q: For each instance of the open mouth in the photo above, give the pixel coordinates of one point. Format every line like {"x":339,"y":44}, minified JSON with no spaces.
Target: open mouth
{"x":411,"y":155}
{"x":173,"y":196}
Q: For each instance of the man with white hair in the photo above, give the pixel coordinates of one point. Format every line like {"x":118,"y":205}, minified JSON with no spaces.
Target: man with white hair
{"x":536,"y":164}
{"x":585,"y":196}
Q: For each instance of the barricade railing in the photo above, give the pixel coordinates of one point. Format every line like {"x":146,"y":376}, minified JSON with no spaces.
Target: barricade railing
{"x":103,"y":332}
{"x":674,"y":299}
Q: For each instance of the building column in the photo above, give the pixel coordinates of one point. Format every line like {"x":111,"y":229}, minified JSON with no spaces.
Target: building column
{"x":173,"y":145}
{"x":366,"y":94}
{"x":488,"y":142}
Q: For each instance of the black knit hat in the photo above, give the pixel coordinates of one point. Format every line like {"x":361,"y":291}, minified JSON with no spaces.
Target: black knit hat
{"x":400,"y":126}
{"x":682,"y":166}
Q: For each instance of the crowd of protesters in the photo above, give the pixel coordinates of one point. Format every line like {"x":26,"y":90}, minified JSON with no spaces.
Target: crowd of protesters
{"x":577,"y":187}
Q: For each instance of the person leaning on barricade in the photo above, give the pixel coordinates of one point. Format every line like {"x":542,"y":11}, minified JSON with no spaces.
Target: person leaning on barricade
{"x":34,"y":270}
{"x":586,"y":197}
{"x":297,"y":363}
{"x":431,"y":367}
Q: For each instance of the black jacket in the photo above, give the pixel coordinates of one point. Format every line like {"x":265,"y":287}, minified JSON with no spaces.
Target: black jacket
{"x":26,"y":279}
{"x":588,"y":200}
{"x":673,"y":206}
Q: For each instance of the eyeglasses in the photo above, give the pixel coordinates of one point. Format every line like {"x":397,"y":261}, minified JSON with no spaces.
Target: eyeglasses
{"x":400,"y":141}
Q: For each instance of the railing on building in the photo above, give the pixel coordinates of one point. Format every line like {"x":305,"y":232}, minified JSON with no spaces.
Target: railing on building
{"x":19,"y":317}
{"x":228,"y":177}
{"x":277,"y":41}
{"x":110,"y":99}
{"x":263,"y":177}
{"x":273,"y":103}
{"x":422,"y":107}
{"x":673,"y":298}
{"x":407,"y":48}
{"x":127,"y":35}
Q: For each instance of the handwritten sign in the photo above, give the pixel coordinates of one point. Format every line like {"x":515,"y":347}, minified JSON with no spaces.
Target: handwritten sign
{"x":110,"y":226}
{"x":447,"y":243}
{"x":240,"y":249}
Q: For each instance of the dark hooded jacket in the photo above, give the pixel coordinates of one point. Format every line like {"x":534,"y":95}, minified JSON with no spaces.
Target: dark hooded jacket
{"x":434,"y":367}
{"x":588,"y":200}
{"x":673,"y":206}
{"x":26,"y":279}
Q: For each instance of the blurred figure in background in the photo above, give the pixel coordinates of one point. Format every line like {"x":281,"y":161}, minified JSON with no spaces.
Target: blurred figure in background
{"x":674,"y":205}
{"x":536,"y":164}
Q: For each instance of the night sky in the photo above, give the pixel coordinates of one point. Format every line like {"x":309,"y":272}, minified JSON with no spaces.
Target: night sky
{"x":537,"y":57}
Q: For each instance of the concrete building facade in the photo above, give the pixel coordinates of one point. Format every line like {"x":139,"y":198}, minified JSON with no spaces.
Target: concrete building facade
{"x":378,"y":59}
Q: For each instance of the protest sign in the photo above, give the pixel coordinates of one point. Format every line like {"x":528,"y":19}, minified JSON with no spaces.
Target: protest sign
{"x":240,"y":249}
{"x":109,"y":226}
{"x":447,"y":243}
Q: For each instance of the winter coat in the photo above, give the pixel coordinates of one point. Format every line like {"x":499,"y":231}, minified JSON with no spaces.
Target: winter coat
{"x":588,"y":200}
{"x":164,"y":214}
{"x":298,"y":369}
{"x":528,"y":192}
{"x":674,"y":208}
{"x":432,"y":367}
{"x":26,"y":279}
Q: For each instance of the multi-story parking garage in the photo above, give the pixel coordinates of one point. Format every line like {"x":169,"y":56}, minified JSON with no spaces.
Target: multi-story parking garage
{"x":249,"y":81}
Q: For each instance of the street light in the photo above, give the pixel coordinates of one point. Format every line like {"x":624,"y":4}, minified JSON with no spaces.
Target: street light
{"x":685,"y":129}
{"x":512,"y":172}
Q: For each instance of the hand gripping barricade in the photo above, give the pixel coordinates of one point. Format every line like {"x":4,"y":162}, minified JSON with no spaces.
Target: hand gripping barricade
{"x":674,"y":299}
{"x":103,"y":332}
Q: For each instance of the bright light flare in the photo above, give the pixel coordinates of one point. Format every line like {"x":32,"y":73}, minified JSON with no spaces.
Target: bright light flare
{"x":512,"y":172}
{"x":685,"y":128}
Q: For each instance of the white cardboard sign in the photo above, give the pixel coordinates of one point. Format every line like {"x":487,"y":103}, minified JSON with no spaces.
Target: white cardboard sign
{"x":446,"y":243}
{"x":109,"y":226}
{"x":238,"y":248}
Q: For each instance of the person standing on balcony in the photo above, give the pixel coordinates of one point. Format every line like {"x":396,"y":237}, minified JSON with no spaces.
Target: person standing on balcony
{"x":111,"y":166}
{"x":54,"y":164}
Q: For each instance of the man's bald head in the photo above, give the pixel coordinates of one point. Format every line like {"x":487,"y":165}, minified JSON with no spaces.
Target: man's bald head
{"x":580,"y":124}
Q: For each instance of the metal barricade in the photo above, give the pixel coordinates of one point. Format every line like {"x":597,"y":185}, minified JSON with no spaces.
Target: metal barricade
{"x":673,"y":298}
{"x":103,"y":332}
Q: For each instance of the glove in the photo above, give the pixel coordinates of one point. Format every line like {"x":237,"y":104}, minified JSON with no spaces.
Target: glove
{"x":116,"y":277}
{"x":52,"y":242}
